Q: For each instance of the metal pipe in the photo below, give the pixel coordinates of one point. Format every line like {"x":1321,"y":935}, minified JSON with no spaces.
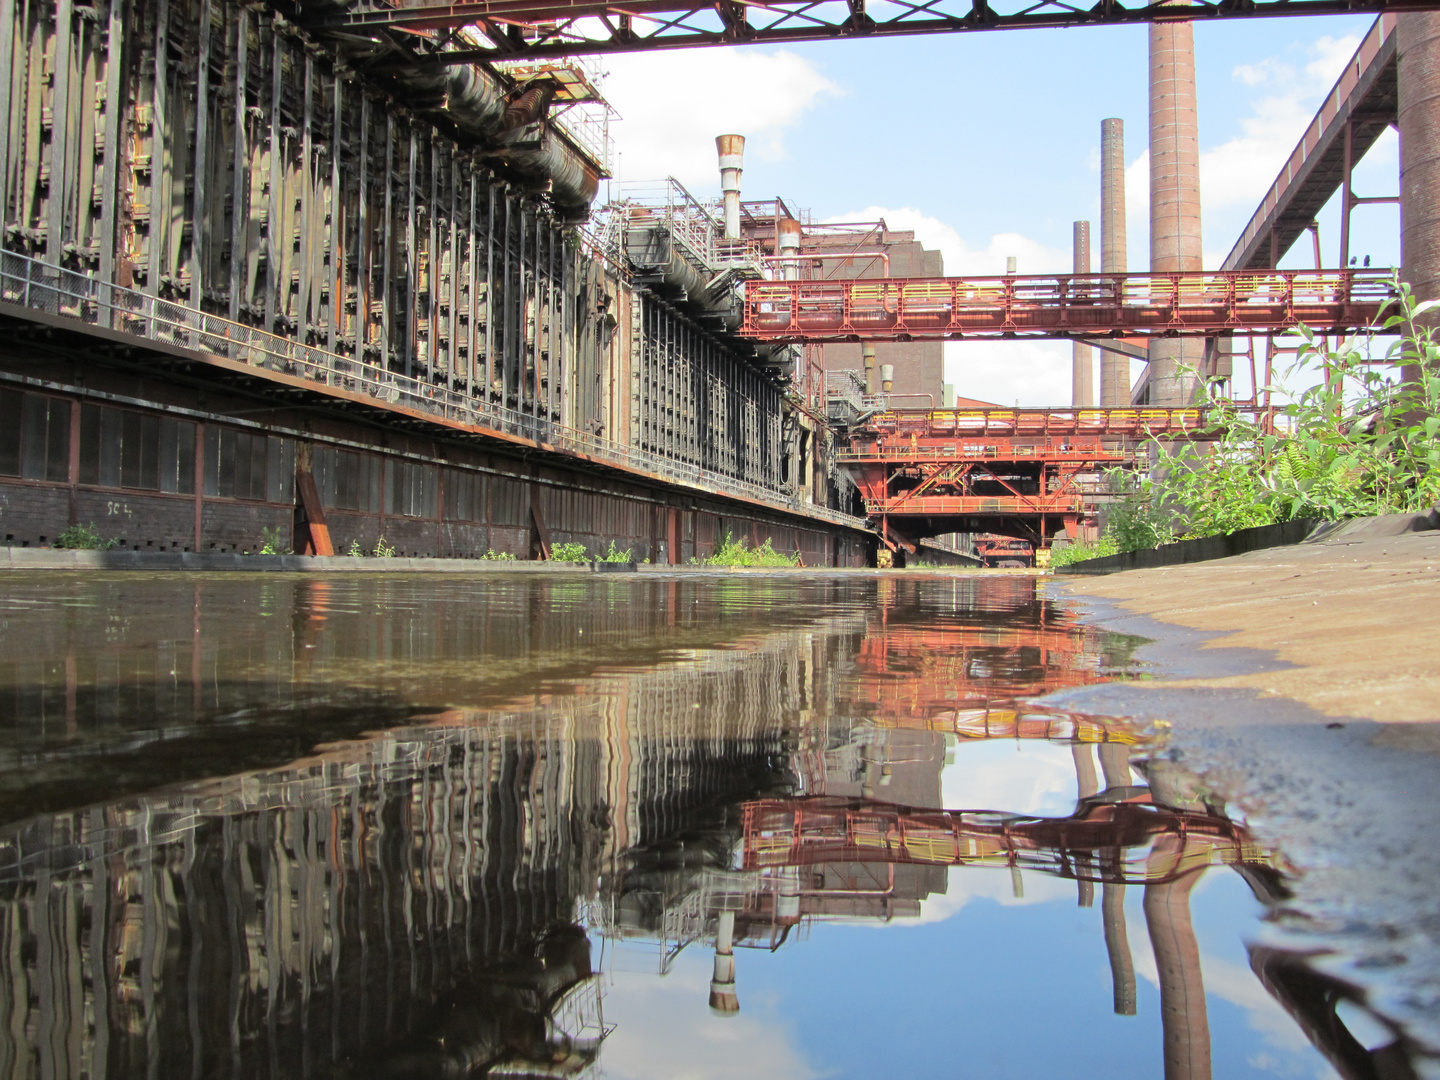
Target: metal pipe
{"x":731,"y":149}
{"x":787,"y":246}
{"x":1114,"y":370}
{"x":723,"y":999}
{"x":867,"y":358}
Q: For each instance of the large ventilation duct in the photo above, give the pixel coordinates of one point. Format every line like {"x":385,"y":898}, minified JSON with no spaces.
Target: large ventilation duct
{"x":732,"y":163}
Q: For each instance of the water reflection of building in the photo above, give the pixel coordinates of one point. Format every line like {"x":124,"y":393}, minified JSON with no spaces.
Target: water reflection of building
{"x":425,"y":899}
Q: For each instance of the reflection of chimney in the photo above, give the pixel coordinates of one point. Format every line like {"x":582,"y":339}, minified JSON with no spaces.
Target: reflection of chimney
{"x":723,"y":999}
{"x":1183,"y":1015}
{"x":1115,"y":762}
{"x":1117,"y":944}
{"x":867,"y":356}
{"x":1114,"y":368}
{"x":732,"y":163}
{"x":1085,"y":786}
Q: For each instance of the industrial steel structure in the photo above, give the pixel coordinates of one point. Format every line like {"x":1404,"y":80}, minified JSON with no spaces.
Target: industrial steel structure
{"x":502,"y":29}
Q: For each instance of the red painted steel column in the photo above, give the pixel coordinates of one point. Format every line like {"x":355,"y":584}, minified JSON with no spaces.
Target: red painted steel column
{"x":1174,"y":195}
{"x":1082,"y":370}
{"x":1417,"y":43}
{"x":1114,"y":368}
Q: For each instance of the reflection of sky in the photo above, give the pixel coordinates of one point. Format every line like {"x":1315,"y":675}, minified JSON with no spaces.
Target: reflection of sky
{"x":1015,"y":776}
{"x":982,"y":986}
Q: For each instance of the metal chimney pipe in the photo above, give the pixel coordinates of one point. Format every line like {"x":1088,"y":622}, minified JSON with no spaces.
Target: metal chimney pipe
{"x":1114,"y":368}
{"x":887,"y":377}
{"x":1082,"y":358}
{"x":867,"y":357}
{"x":732,"y":163}
{"x":723,"y":999}
{"x":787,"y":246}
{"x":1174,"y":195}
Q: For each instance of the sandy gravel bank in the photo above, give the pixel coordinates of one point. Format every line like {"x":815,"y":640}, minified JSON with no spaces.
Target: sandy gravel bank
{"x":1355,"y":621}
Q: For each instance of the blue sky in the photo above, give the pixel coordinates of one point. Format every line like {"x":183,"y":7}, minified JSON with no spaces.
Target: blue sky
{"x":988,"y":144}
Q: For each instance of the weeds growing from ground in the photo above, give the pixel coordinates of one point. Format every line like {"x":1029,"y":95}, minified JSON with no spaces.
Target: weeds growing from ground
{"x":84,"y":537}
{"x":730,"y":552}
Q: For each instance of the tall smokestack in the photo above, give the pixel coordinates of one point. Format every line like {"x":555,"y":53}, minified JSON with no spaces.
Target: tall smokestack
{"x":1114,"y":368}
{"x":732,"y":164}
{"x":867,"y":360}
{"x":1082,"y":361}
{"x":1174,"y":195}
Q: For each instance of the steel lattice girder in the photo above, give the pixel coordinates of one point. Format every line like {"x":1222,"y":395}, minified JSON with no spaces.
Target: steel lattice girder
{"x":542,"y":28}
{"x":1203,"y":303}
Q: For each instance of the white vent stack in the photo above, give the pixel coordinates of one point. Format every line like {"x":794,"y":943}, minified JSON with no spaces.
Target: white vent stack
{"x":732,"y":164}
{"x":787,"y":247}
{"x":723,"y":999}
{"x":867,"y":356}
{"x":887,"y":377}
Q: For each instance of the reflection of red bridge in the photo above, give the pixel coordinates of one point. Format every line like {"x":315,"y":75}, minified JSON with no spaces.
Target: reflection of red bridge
{"x":1092,"y":845}
{"x":1093,"y":305}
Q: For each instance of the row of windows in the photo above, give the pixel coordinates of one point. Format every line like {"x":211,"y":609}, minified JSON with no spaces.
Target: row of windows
{"x":122,"y":448}
{"x":34,"y":436}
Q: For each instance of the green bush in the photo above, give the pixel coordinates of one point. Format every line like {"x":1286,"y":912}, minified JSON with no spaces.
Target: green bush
{"x":497,"y":556}
{"x":1074,"y":553}
{"x":616,"y":555}
{"x":575,"y":553}
{"x":1357,"y":444}
{"x":274,"y":542}
{"x":731,"y":552}
{"x":84,"y":538}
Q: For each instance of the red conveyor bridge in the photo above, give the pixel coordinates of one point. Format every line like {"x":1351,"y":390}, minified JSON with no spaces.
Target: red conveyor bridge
{"x":1064,"y":306}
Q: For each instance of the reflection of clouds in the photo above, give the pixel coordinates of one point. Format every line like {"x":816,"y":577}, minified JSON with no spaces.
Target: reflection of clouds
{"x":1011,"y":776}
{"x":664,"y":1029}
{"x":966,"y":883}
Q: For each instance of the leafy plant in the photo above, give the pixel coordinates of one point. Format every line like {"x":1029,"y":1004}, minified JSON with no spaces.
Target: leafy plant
{"x":84,"y":538}
{"x":497,"y":556}
{"x":573,"y":553}
{"x":1358,"y":442}
{"x":616,"y":555}
{"x":355,"y":552}
{"x":730,"y":552}
{"x":274,"y":542}
{"x":1079,"y":552}
{"x":383,"y":550}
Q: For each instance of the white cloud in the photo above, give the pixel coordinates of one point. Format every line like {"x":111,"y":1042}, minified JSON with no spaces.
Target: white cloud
{"x":960,"y":258}
{"x":668,"y":128}
{"x":664,"y":1029}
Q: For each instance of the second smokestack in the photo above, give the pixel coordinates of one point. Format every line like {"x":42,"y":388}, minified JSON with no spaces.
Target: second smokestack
{"x":1082,"y":373}
{"x":732,"y":163}
{"x":1114,"y":368}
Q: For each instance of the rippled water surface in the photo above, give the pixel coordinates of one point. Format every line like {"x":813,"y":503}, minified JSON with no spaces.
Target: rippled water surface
{"x":625,"y":826}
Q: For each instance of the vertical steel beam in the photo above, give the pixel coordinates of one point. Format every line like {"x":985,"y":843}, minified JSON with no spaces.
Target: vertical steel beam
{"x":240,"y":197}
{"x":273,"y":217}
{"x":387,"y":222}
{"x":489,"y":288}
{"x":471,"y":360}
{"x":364,"y":235}
{"x":114,"y":107}
{"x":199,"y":208}
{"x":411,"y":276}
{"x":336,"y":276}
{"x":59,"y":209}
{"x":432,"y":263}
{"x":304,"y":315}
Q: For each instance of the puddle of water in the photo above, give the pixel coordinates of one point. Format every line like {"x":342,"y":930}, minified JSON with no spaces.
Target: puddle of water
{"x":701,"y":827}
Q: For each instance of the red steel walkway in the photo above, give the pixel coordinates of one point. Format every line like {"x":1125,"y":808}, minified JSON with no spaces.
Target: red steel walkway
{"x":1063,"y":306}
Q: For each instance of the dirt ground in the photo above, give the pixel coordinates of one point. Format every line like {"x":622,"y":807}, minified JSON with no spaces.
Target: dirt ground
{"x":1357,"y":615}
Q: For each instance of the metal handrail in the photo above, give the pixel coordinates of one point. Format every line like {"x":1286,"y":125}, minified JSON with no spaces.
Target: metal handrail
{"x":68,"y":294}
